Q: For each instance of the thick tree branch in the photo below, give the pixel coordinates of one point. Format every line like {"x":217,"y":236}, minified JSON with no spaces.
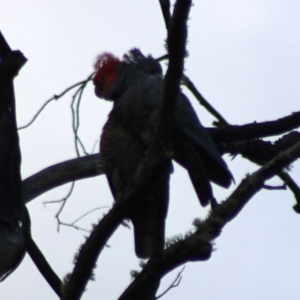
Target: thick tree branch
{"x":255,"y":130}
{"x":38,"y":257}
{"x":261,"y":152}
{"x":176,"y":42}
{"x":57,"y":175}
{"x":89,"y":252}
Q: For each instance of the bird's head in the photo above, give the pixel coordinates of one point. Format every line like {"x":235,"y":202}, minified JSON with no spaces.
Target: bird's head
{"x":106,"y":68}
{"x":114,"y":76}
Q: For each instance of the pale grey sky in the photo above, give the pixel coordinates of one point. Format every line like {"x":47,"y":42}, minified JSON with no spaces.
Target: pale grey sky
{"x":244,"y":58}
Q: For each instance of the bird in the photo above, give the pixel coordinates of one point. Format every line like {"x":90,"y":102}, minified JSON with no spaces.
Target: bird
{"x":135,"y":85}
{"x":121,"y":153}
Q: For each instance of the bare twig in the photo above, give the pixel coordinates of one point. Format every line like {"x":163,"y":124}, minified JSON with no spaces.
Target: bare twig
{"x":76,"y":99}
{"x":72,"y":224}
{"x":63,"y":201}
{"x":55,"y":97}
{"x":274,"y":188}
{"x":293,"y":186}
{"x":174,"y":284}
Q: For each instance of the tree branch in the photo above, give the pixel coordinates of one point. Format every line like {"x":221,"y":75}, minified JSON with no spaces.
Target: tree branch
{"x":59,"y":174}
{"x":38,"y":258}
{"x":235,"y":133}
{"x":261,"y":152}
{"x":190,"y":85}
{"x":176,"y":42}
{"x":165,"y":8}
{"x":89,"y":252}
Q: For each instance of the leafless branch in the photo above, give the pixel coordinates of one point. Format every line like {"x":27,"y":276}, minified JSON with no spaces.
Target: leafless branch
{"x":190,"y":85}
{"x":76,"y":100}
{"x":88,"y":254}
{"x":274,"y":188}
{"x":174,"y":284}
{"x":38,"y":258}
{"x":254,"y":130}
{"x":63,"y":202}
{"x":55,"y":97}
{"x":165,"y":8}
{"x":59,"y":174}
{"x":72,"y":224}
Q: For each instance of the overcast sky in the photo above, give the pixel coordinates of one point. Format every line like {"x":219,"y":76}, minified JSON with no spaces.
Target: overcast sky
{"x":244,"y":58}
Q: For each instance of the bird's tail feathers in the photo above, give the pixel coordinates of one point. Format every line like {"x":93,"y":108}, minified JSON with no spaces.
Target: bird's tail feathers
{"x":148,"y":234}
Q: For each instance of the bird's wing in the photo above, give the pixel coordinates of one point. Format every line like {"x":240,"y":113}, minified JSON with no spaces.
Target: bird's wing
{"x":188,"y":126}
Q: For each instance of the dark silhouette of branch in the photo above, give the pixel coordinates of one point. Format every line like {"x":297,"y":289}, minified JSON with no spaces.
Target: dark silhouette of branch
{"x":165,"y":8}
{"x":87,"y":256}
{"x":190,"y":85}
{"x":261,"y":152}
{"x":59,"y":174}
{"x":274,"y":188}
{"x":38,"y":257}
{"x":235,"y":133}
{"x":197,"y":246}
{"x":176,"y":43}
{"x":75,"y":109}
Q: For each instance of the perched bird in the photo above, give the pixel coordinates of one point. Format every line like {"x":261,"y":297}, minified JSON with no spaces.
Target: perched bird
{"x":135,"y":85}
{"x":121,"y":153}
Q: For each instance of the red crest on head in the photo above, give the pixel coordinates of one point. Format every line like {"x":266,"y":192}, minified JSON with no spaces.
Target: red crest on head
{"x":105,"y":64}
